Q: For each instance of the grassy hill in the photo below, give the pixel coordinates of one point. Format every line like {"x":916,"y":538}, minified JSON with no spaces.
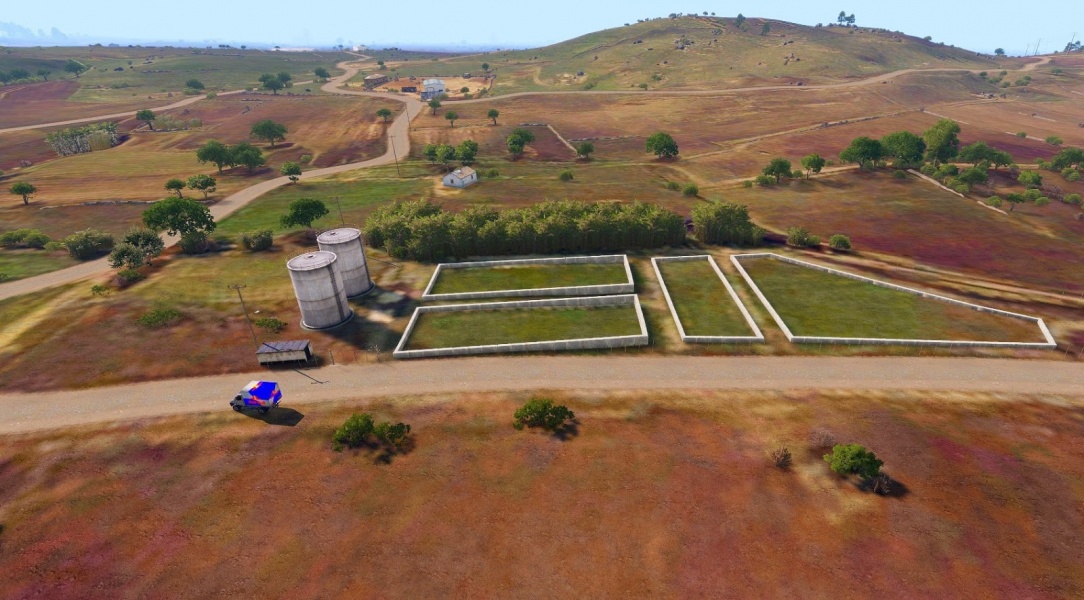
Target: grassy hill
{"x":704,"y":52}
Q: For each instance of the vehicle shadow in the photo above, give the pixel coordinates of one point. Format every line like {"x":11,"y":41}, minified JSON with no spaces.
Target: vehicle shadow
{"x":284,"y":417}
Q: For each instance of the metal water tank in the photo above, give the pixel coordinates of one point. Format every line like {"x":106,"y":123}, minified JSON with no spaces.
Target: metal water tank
{"x":347,"y":244}
{"x":318,"y":285}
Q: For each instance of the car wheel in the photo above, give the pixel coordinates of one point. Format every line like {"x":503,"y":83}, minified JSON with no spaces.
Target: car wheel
{"x":263,"y":410}
{"x":235,"y":407}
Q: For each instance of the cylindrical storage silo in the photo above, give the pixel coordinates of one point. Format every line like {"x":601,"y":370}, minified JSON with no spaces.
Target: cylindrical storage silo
{"x":347,"y":244}
{"x":319,"y":288}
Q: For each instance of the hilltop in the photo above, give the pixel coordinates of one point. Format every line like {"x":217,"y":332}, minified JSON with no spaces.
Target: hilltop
{"x":704,"y":52}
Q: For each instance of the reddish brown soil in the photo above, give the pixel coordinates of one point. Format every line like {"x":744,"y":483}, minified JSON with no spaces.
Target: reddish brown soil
{"x":48,"y":101}
{"x":652,"y":498}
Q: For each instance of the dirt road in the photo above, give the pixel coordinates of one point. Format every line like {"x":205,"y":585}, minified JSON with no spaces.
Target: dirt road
{"x":49,"y":410}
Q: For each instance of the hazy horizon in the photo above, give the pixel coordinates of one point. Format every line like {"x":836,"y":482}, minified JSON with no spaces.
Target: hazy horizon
{"x":489,"y":24}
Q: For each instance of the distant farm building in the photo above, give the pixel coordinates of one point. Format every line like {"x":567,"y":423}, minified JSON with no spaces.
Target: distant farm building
{"x":431,"y":88}
{"x":375,"y":79}
{"x":410,"y":89}
{"x":461,"y":178}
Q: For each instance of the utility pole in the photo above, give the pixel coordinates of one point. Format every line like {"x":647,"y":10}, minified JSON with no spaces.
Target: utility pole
{"x":391,"y":141}
{"x":239,"y":287}
{"x":342,"y":221}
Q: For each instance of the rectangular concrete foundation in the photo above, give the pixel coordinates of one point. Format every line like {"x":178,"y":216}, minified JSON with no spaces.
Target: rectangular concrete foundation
{"x":629,"y":287}
{"x":757,"y":336}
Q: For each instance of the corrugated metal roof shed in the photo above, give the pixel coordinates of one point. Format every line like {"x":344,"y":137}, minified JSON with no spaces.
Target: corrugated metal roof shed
{"x":283,"y":346}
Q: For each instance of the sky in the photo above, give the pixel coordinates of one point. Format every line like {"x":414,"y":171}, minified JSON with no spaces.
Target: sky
{"x":522,"y":23}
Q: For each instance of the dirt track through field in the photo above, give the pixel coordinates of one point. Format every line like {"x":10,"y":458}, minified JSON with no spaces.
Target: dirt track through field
{"x":47,"y":410}
{"x":398,"y":133}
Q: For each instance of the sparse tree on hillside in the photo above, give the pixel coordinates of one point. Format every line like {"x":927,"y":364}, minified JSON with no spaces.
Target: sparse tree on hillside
{"x":942,"y":141}
{"x":147,"y":116}
{"x":466,"y":151}
{"x":183,"y":216}
{"x":765,"y":28}
{"x":585,"y":149}
{"x":976,"y":153}
{"x":848,"y":459}
{"x":216,"y":153}
{"x":285,"y":78}
{"x":906,"y":147}
{"x":384,"y":113}
{"x":44,"y":74}
{"x":662,"y":145}
{"x":485,"y":67}
{"x":202,"y":183}
{"x":291,"y":170}
{"x":739,"y":21}
{"x":271,"y":82}
{"x":434,"y":104}
{"x":25,"y":190}
{"x":841,"y":18}
{"x":268,"y":130}
{"x":194,"y":84}
{"x":999,"y":51}
{"x":146,"y":241}
{"x":175,"y":185}
{"x":321,"y":73}
{"x":247,"y":155}
{"x":778,"y":168}
{"x":516,"y":147}
{"x":812,"y":163}
{"x":75,"y":67}
{"x":451,"y":116}
{"x":444,"y":154}
{"x":302,"y":213}
{"x":1030,"y":179}
{"x":864,"y":151}
{"x":493,"y":114}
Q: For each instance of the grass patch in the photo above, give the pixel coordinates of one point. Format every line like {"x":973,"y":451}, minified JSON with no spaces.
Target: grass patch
{"x":701,"y":300}
{"x":485,"y":327}
{"x":17,"y":264}
{"x":527,"y":277}
{"x":814,"y":303}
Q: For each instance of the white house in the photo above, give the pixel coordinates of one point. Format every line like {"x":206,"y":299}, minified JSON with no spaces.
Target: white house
{"x":431,"y":88}
{"x":461,"y":178}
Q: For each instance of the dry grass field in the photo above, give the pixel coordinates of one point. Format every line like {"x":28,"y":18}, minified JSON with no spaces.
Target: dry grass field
{"x":652,"y":495}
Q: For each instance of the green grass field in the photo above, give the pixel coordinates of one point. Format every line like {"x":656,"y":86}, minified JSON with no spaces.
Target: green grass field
{"x":701,"y":300}
{"x":815,"y":303}
{"x":527,"y":277}
{"x":485,"y":327}
{"x":17,"y":264}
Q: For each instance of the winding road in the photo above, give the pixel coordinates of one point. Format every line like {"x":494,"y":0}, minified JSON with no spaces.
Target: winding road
{"x":1061,"y":382}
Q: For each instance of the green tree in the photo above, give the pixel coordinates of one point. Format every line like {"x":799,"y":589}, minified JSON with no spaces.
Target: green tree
{"x":285,"y":78}
{"x":661,"y":145}
{"x":765,"y":28}
{"x":291,"y":170}
{"x":202,"y":183}
{"x":853,"y":459}
{"x":179,"y":216}
{"x":778,"y":168}
{"x":1067,"y":158}
{"x":270,"y":82}
{"x":942,"y":141}
{"x":813,"y":163}
{"x":75,"y":67}
{"x":906,"y":147}
{"x":485,"y":67}
{"x":522,"y":134}
{"x":430,"y":152}
{"x":739,"y":21}
{"x":839,"y":242}
{"x":126,"y":256}
{"x":391,"y":436}
{"x":247,"y":155}
{"x":1030,"y":179}
{"x":354,"y":432}
{"x":44,"y":74}
{"x":384,"y":113}
{"x":23,"y":189}
{"x":445,"y":154}
{"x":799,"y":237}
{"x":86,"y":244}
{"x":451,"y":116}
{"x":585,"y":150}
{"x":268,"y":130}
{"x":194,"y":84}
{"x":725,"y":223}
{"x":515,"y":147}
{"x":864,"y":151}
{"x":147,"y":116}
{"x":541,"y":412}
{"x":175,"y":185}
{"x":321,"y":73}
{"x":1000,"y":52}
{"x":467,"y":151}
{"x":216,"y":153}
{"x":493,"y":114}
{"x":302,"y":212}
{"x":146,"y":241}
{"x":434,"y":104}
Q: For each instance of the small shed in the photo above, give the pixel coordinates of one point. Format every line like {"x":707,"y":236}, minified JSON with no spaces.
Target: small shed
{"x":431,"y":88}
{"x":409,"y":89}
{"x":375,"y":79}
{"x":461,"y":178}
{"x":270,"y":353}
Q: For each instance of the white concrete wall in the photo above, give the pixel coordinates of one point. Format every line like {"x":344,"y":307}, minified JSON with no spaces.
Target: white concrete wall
{"x":629,"y":287}
{"x":757,"y":336}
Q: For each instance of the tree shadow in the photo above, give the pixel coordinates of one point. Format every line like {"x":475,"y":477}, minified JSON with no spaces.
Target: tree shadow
{"x":383,"y":454}
{"x":283,"y":417}
{"x":568,"y":431}
{"x":890,"y":488}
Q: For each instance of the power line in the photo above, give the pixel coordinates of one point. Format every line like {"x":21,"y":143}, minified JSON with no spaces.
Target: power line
{"x":238,"y":287}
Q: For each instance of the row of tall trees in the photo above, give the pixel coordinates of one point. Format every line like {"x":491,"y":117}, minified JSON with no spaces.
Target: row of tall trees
{"x":222,"y":156}
{"x":420,"y":230}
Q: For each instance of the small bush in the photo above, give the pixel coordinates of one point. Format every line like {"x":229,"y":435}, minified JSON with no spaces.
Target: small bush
{"x":99,"y":290}
{"x":1072,"y":175}
{"x":764,"y":180}
{"x":1042,"y":201}
{"x":781,"y":457}
{"x":211,"y":95}
{"x":493,"y":173}
{"x":4,"y":277}
{"x":673,"y":186}
{"x":1053,"y":140}
{"x":540,"y":412}
{"x":255,"y":241}
{"x":129,"y":276}
{"x":994,"y":201}
{"x":928,"y":170}
{"x":800,"y":238}
{"x":305,"y":159}
{"x":194,"y":243}
{"x":159,"y":318}
{"x":25,"y":238}
{"x":962,"y":188}
{"x":54,"y":246}
{"x":1021,"y":134}
{"x":839,"y":242}
{"x":87,"y":244}
{"x":353,"y":433}
{"x":820,"y":438}
{"x":270,"y":324}
{"x":899,"y":174}
{"x":747,"y":184}
{"x":1072,"y":199}
{"x":690,"y":191}
{"x":848,"y":459}
{"x":391,"y":435}
{"x":566,"y":176}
